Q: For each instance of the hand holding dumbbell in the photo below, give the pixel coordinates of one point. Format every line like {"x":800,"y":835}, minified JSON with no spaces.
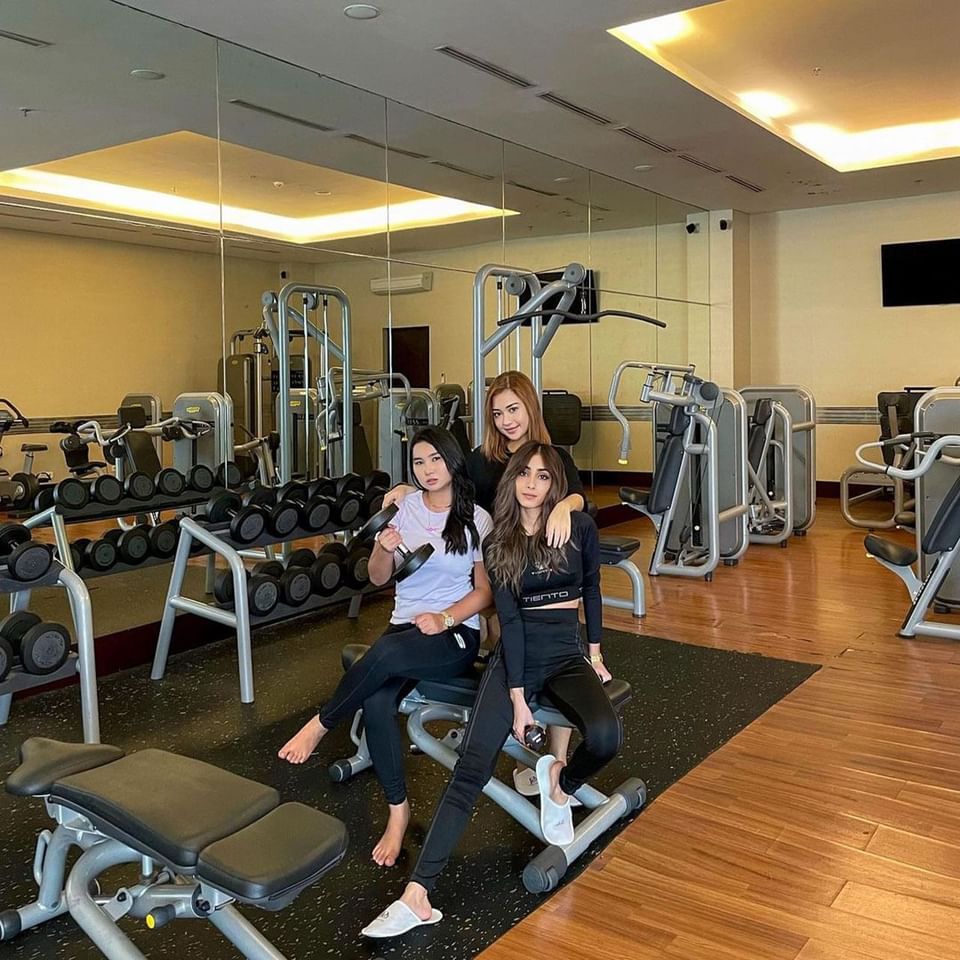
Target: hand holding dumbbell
{"x":378,"y":528}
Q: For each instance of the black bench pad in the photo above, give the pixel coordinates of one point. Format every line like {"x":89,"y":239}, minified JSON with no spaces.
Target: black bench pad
{"x":614,"y":548}
{"x":895,"y":553}
{"x":44,"y":761}
{"x":634,"y":495}
{"x":269,"y":862}
{"x":166,"y":806}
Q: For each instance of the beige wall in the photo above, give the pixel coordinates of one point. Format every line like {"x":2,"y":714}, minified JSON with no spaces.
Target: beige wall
{"x":816,"y":314}
{"x":87,"y":321}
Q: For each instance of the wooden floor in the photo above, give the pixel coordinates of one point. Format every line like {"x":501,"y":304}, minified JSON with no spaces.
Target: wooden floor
{"x":829,"y":829}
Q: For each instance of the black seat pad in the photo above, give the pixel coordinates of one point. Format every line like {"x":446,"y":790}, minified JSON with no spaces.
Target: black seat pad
{"x":614,"y":548}
{"x":271,"y":861}
{"x":894,"y":553}
{"x":33,"y":447}
{"x":634,"y":495}
{"x":166,"y":806}
{"x":351,"y":653}
{"x":43,"y":762}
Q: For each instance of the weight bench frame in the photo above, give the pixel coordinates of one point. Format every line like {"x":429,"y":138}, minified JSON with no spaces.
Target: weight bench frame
{"x":544,"y":872}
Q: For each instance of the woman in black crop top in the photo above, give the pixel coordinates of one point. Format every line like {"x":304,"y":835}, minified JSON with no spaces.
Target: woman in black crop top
{"x":538,"y":590}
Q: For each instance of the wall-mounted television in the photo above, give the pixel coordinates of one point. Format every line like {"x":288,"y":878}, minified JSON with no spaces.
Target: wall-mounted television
{"x":920,"y":274}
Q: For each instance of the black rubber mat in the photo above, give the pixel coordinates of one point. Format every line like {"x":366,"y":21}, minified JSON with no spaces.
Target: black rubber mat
{"x":688,"y":700}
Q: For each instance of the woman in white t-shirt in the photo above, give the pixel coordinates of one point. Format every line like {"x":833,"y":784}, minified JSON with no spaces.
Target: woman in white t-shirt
{"x":434,"y":632}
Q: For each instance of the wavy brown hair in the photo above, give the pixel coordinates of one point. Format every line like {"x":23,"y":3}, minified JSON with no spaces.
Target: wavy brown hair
{"x":494,"y":442}
{"x":509,"y":549}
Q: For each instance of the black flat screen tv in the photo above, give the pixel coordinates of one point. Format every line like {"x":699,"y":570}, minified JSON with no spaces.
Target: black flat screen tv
{"x":585,"y":302}
{"x":920,"y":274}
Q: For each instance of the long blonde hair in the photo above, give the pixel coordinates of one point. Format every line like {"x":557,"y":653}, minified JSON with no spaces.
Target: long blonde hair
{"x":509,"y":548}
{"x":494,"y":442}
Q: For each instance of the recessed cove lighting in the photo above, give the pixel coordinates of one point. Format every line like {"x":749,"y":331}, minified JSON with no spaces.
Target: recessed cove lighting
{"x":140,"y":73}
{"x":764,"y":104}
{"x":645,"y":34}
{"x":643,"y":167}
{"x":323,"y":193}
{"x":361,"y":11}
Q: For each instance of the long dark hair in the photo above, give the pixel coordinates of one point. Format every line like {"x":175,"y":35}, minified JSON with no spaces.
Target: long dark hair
{"x":509,"y":549}
{"x":460,"y":518}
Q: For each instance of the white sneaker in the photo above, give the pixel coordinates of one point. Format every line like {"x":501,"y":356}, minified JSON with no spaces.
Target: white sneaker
{"x":556,"y":820}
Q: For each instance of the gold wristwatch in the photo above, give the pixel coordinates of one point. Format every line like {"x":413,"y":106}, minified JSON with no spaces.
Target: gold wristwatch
{"x":448,"y":621}
{"x":596,"y":658}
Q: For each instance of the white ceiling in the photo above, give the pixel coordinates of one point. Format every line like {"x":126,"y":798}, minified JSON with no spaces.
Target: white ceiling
{"x":561,"y":46}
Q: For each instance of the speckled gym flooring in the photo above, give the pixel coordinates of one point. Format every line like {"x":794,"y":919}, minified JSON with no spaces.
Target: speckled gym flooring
{"x":687,"y":701}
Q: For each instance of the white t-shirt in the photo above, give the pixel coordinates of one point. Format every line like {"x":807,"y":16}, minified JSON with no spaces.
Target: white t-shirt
{"x":445,"y":578}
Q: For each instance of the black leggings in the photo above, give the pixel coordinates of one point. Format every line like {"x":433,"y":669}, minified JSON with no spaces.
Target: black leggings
{"x":572,"y":685}
{"x":380,"y":679}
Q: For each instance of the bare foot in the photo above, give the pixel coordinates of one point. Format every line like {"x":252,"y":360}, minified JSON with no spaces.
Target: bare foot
{"x":415,"y":897}
{"x":385,"y":853}
{"x":556,"y":794}
{"x":299,"y":747}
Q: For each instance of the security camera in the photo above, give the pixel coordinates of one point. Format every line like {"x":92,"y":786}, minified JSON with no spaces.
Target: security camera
{"x":693,"y":228}
{"x":725,"y":224}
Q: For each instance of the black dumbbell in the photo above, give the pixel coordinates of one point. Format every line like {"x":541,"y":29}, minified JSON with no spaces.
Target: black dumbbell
{"x":229,"y":475}
{"x":200,"y":478}
{"x":28,"y":486}
{"x":25,"y":559}
{"x":295,"y":583}
{"x":314,"y":511}
{"x":139,"y":486}
{"x":246,"y":523}
{"x":282,"y":518}
{"x":71,"y":493}
{"x":133,"y":546}
{"x":377,"y":484}
{"x":327,"y":571}
{"x":344,"y":503}
{"x":43,"y":648}
{"x":535,"y":737}
{"x":410,"y":560}
{"x":163,"y":539}
{"x":170,"y":482}
{"x":195,"y":545}
{"x":106,"y":489}
{"x":96,"y":554}
{"x":263,"y":592}
{"x":44,"y":498}
{"x":355,"y":572}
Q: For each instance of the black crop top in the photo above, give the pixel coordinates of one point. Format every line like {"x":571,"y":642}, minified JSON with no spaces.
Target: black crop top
{"x":487,"y":474}
{"x":580,"y":580}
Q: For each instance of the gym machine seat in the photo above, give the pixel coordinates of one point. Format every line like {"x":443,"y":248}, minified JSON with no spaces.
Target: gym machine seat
{"x":217,"y":837}
{"x":895,"y":553}
{"x":450,"y":701}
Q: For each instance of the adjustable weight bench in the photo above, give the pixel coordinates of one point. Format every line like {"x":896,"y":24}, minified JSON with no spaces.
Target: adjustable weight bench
{"x":452,"y":701}
{"x":204,"y":838}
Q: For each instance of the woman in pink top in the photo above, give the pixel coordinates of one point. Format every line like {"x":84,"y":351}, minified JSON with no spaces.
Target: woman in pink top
{"x":434,"y":632}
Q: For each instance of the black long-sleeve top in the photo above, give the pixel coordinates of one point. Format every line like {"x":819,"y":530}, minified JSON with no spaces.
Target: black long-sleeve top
{"x":579,"y":580}
{"x":487,"y":474}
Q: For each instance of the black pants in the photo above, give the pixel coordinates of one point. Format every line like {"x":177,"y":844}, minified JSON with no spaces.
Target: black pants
{"x":383,"y":677}
{"x":556,"y":665}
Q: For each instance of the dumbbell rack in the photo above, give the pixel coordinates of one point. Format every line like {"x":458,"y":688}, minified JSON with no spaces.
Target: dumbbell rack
{"x":216,"y":538}
{"x":82,"y":662}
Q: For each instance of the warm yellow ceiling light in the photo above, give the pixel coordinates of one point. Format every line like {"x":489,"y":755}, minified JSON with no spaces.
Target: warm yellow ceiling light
{"x":134,"y":201}
{"x":765,"y":105}
{"x":882,"y":147}
{"x":646,"y":34}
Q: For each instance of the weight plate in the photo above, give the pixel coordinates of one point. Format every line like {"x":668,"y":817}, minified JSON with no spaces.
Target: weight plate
{"x":349,"y":511}
{"x":269,"y":568}
{"x":71,"y":493}
{"x":335,"y":549}
{"x":12,"y":535}
{"x":294,"y":490}
{"x":323,"y":487}
{"x":101,"y":555}
{"x":260,"y":496}
{"x":377,"y":478}
{"x":135,"y":544}
{"x":223,"y":588}
{"x":140,"y":486}
{"x":350,"y":482}
{"x":107,"y":490}
{"x":317,"y":513}
{"x":6,"y":659}
{"x":301,"y":558}
{"x":248,"y":525}
{"x":163,"y":540}
{"x":264,"y":595}
{"x":15,"y":625}
{"x":29,"y":486}
{"x":45,"y":498}
{"x":284,"y":519}
{"x":200,"y":478}
{"x":295,"y":587}
{"x":170,"y":482}
{"x":44,"y":648}
{"x":326,"y":575}
{"x":375,"y":524}
{"x":29,"y":561}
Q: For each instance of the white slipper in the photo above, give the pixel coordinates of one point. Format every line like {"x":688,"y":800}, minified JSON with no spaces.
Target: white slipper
{"x":556,"y":820}
{"x":396,"y":920}
{"x":525,"y":782}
